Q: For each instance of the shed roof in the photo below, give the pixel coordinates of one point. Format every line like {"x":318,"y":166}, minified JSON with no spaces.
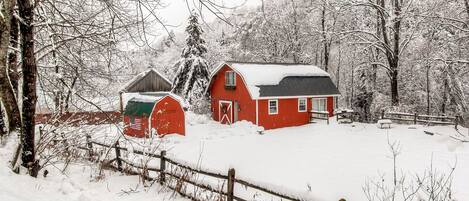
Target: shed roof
{"x":142,"y":105}
{"x":282,"y":79}
{"x":137,"y":108}
{"x":148,"y":81}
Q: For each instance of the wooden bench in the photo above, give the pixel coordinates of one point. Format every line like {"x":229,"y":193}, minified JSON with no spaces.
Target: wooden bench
{"x":384,"y":122}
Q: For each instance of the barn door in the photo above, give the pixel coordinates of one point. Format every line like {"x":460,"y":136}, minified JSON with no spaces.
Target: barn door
{"x":225,"y":112}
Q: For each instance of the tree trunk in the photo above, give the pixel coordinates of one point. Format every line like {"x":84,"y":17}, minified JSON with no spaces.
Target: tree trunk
{"x":69,"y":92}
{"x":7,"y":95}
{"x":324,"y":38}
{"x":12,"y":56}
{"x":393,"y":50}
{"x":338,"y":68}
{"x":29,"y":70}
{"x":296,"y":42}
{"x":352,"y":86}
{"x":445,"y":96}
{"x":3,"y":130}
{"x":428,"y":90}
{"x":394,"y":89}
{"x":395,"y":56}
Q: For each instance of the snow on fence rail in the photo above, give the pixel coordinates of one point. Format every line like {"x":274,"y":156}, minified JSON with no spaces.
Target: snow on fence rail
{"x":418,"y":118}
{"x":345,"y":114}
{"x":163,"y":171}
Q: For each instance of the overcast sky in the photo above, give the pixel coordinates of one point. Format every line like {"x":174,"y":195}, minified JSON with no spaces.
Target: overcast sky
{"x":176,"y":12}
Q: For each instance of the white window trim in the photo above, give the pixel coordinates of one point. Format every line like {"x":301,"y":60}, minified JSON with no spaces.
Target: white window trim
{"x":234,"y":78}
{"x":306,"y":104}
{"x":268,"y":106}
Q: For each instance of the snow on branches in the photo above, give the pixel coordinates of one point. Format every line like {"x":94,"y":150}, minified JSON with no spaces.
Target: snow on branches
{"x":192,"y":75}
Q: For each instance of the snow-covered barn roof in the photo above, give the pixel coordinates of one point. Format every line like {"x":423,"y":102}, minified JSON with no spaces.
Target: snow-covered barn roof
{"x":148,"y":81}
{"x":143,"y":102}
{"x":265,"y":80}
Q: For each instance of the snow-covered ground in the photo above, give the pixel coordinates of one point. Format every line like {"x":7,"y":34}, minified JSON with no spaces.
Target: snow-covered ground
{"x":76,"y":184}
{"x":325,"y":162}
{"x":334,"y":161}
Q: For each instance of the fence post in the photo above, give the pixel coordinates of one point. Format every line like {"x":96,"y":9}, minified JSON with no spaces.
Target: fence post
{"x":382,"y":114}
{"x":118,"y":155}
{"x":162,"y":167}
{"x":456,"y":121}
{"x":89,"y":144}
{"x":230,"y":186}
{"x":415,"y":118}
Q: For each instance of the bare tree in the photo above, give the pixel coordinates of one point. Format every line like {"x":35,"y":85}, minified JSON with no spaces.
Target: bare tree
{"x":7,"y":95}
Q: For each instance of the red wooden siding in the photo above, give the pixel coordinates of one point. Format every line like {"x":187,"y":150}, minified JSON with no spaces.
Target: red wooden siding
{"x":247,"y":109}
{"x":288,"y":114}
{"x":330,"y":106}
{"x":167,"y":117}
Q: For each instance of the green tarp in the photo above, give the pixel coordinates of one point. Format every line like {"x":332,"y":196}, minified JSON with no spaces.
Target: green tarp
{"x":136,"y":108}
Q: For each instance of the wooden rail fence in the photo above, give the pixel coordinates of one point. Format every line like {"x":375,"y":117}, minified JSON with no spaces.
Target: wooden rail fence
{"x":421,"y":119}
{"x":346,"y":114}
{"x":323,"y":115}
{"x":163,"y":172}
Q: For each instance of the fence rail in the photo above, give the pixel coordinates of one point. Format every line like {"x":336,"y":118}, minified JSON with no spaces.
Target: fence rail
{"x":323,"y":115}
{"x":420,"y":118}
{"x":163,"y":171}
{"x":346,"y":114}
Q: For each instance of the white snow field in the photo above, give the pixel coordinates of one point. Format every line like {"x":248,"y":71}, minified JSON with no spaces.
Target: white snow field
{"x":334,"y":161}
{"x":76,"y":184}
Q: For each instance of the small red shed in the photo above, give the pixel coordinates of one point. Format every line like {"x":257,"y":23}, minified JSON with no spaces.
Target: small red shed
{"x":161,"y":113}
{"x":270,"y":95}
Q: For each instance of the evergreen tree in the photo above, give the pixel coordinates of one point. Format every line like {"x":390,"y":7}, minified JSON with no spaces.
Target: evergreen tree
{"x":192,"y":75}
{"x":363,"y":101}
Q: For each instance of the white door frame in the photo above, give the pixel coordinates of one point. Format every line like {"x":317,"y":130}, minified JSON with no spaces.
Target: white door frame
{"x":230,"y":107}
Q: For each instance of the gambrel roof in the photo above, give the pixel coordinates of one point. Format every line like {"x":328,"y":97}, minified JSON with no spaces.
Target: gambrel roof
{"x":148,"y":81}
{"x":267,"y":80}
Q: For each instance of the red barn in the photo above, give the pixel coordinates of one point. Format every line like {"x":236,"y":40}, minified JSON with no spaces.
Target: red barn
{"x":162,"y":112}
{"x":270,"y":95}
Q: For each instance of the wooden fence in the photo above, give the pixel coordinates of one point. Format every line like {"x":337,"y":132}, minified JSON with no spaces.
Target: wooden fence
{"x":346,"y":114}
{"x":323,"y":115}
{"x":421,"y":119}
{"x":163,"y":173}
{"x":78,"y":118}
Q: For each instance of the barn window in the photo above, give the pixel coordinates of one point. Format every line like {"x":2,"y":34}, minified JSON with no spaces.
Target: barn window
{"x":319,"y":104}
{"x":273,"y":106}
{"x":230,"y":80}
{"x":301,"y":104}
